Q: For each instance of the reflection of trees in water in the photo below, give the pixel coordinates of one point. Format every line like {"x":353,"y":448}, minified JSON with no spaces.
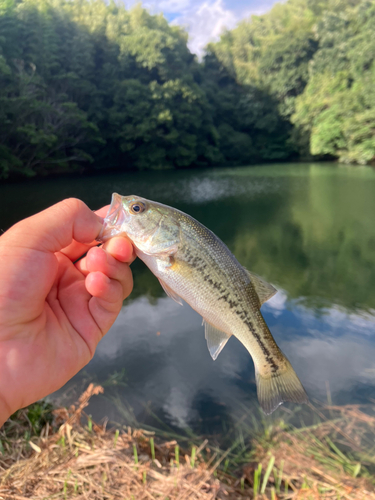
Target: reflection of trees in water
{"x":314,"y":237}
{"x":320,"y":246}
{"x":210,"y":415}
{"x":224,"y":217}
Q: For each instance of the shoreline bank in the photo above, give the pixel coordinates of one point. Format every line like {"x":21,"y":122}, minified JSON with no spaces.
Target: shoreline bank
{"x":67,"y":458}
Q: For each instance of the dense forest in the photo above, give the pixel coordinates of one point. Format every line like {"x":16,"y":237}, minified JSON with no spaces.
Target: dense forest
{"x":88,"y":84}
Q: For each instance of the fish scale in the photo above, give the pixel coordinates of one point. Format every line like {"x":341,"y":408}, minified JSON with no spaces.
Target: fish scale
{"x":193,"y":264}
{"x":226,"y":288}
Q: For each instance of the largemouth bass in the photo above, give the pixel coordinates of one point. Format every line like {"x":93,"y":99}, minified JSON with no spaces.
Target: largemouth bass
{"x":193,"y":264}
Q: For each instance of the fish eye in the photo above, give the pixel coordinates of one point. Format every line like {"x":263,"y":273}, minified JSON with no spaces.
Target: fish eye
{"x":137,"y":207}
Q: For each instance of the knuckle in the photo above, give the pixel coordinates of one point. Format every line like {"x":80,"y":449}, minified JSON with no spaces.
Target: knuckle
{"x":72,"y":205}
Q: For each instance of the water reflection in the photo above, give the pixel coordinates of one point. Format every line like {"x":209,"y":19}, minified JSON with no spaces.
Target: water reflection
{"x":173,"y":369}
{"x":308,"y":229}
{"x":331,"y":346}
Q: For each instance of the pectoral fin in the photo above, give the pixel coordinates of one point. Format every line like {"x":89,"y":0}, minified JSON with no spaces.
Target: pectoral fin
{"x":216,"y":339}
{"x":263,"y":289}
{"x":173,"y":295}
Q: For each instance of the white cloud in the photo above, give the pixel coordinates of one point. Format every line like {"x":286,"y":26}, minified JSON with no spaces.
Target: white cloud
{"x":277,"y":303}
{"x":205,"y":20}
{"x":205,"y":23}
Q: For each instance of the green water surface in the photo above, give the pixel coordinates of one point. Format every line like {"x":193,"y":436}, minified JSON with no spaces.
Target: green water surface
{"x":307,"y":228}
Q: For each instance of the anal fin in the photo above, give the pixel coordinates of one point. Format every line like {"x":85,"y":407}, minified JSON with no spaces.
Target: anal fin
{"x":216,"y":339}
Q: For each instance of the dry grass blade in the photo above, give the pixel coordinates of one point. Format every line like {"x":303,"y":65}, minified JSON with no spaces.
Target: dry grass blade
{"x":93,"y":463}
{"x":83,"y":462}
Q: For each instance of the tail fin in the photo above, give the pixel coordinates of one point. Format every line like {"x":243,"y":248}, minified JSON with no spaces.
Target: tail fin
{"x":279,"y":387}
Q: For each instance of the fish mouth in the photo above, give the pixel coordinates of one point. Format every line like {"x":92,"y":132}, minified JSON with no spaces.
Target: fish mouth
{"x":114,"y":220}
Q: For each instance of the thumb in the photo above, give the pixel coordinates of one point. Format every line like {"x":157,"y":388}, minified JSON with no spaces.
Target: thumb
{"x":56,"y":227}
{"x":28,"y":266}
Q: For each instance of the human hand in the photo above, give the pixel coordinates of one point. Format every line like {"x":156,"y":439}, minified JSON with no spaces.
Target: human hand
{"x":54,"y":312}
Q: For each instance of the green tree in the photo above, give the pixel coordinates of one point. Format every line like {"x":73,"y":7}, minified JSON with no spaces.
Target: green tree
{"x":337,"y":108}
{"x":249,"y":126}
{"x":89,"y":84}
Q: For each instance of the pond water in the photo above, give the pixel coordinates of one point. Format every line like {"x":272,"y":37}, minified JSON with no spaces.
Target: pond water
{"x":307,"y":228}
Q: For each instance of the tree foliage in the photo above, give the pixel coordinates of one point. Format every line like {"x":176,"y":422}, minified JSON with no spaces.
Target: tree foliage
{"x":317,"y":60}
{"x":90,"y":84}
{"x":338,"y":105}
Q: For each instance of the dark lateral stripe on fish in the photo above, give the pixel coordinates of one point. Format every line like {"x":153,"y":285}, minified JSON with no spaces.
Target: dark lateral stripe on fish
{"x":196,"y":262}
{"x":213,"y":282}
{"x":193,"y":261}
{"x":266,"y":352}
{"x":244,"y":316}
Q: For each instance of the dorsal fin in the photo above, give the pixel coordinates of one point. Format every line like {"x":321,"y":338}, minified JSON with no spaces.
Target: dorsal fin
{"x":263,"y":289}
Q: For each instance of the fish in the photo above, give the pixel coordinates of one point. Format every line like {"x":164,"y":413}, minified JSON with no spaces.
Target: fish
{"x":193,"y":265}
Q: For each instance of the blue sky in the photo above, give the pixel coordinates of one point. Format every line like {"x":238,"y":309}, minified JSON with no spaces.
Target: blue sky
{"x":205,"y":19}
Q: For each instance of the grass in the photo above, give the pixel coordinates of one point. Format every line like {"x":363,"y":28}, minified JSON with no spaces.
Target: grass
{"x":59,"y":457}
